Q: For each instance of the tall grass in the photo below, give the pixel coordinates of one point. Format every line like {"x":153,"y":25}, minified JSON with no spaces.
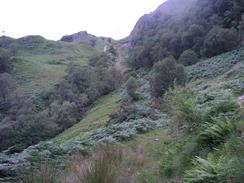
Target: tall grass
{"x":46,"y":173}
{"x":102,"y":167}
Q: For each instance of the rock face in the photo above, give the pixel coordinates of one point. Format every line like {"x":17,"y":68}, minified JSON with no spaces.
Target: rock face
{"x":169,"y":9}
{"x":76,"y":37}
{"x":82,"y":36}
{"x":86,"y":38}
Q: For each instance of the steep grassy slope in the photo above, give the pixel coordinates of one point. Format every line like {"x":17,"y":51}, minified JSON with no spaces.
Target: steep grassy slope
{"x":40,"y":63}
{"x":95,"y":118}
{"x":93,"y":128}
{"x":170,"y":156}
{"x":166,"y":154}
{"x":70,"y":141}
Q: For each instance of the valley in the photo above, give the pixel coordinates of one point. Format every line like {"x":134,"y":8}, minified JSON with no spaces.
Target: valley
{"x":162,"y":105}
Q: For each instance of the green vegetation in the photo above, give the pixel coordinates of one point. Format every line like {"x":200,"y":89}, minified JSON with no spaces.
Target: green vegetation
{"x":45,"y":65}
{"x":201,"y":143}
{"x":188,"y":57}
{"x":131,"y":87}
{"x":80,"y":122}
{"x":165,"y":74}
{"x":95,"y":118}
{"x":207,"y":27}
{"x":51,"y":86}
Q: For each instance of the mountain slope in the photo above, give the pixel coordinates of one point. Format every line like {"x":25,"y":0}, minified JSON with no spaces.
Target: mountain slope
{"x":46,"y":76}
{"x":191,"y":133}
{"x":208,"y":27}
{"x":40,"y":63}
{"x":167,"y":152}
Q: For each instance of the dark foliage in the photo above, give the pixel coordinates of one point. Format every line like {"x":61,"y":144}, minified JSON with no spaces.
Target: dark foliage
{"x":188,"y":57}
{"x":102,"y":60}
{"x":131,"y":87}
{"x":22,"y":125}
{"x":166,"y":73}
{"x":26,"y":120}
{"x":176,"y":26}
{"x":220,"y":40}
{"x":5,"y":63}
{"x":7,"y":85}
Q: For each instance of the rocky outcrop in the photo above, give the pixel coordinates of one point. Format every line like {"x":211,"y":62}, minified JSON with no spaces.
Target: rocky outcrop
{"x":82,"y":36}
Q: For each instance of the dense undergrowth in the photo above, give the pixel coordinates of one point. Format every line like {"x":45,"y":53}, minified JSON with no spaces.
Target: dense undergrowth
{"x":201,"y":138}
{"x":191,"y":133}
{"x":200,"y":141}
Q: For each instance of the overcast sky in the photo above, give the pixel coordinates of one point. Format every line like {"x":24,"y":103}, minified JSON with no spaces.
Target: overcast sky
{"x":55,"y":18}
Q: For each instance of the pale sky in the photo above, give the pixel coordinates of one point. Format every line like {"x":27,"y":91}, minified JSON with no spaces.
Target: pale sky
{"x":54,"y":18}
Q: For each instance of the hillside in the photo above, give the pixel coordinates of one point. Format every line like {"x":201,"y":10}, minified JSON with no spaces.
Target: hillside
{"x":40,"y":63}
{"x":164,"y":104}
{"x":207,"y":27}
{"x":35,"y":78}
{"x":96,"y":126}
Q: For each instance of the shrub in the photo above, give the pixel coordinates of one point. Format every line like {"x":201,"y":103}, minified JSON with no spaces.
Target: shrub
{"x":102,"y":60}
{"x":131,"y":87}
{"x":180,"y":75}
{"x":125,"y":112}
{"x":242,"y":27}
{"x":165,"y":73}
{"x":5,"y":64}
{"x":7,"y":85}
{"x":217,"y":130}
{"x":225,"y":106}
{"x":220,"y":40}
{"x":188,"y":57}
{"x":216,"y":168}
{"x":64,"y":114}
{"x":177,"y":156}
{"x":183,"y":108}
{"x":204,"y":171}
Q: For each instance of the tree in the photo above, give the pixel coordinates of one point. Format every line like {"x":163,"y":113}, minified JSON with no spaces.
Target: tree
{"x":160,"y":34}
{"x":101,"y":60}
{"x":223,"y":5}
{"x":241,"y":28}
{"x":220,"y":40}
{"x":5,"y":65}
{"x":7,"y":85}
{"x":131,"y":87}
{"x":180,"y":75}
{"x":32,"y":130}
{"x":165,"y":73}
{"x":63,"y":114}
{"x":188,"y":57}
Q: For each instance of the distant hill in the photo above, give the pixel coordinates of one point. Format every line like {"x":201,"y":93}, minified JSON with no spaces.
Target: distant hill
{"x":39,"y":62}
{"x":208,"y":27}
{"x":86,"y":38}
